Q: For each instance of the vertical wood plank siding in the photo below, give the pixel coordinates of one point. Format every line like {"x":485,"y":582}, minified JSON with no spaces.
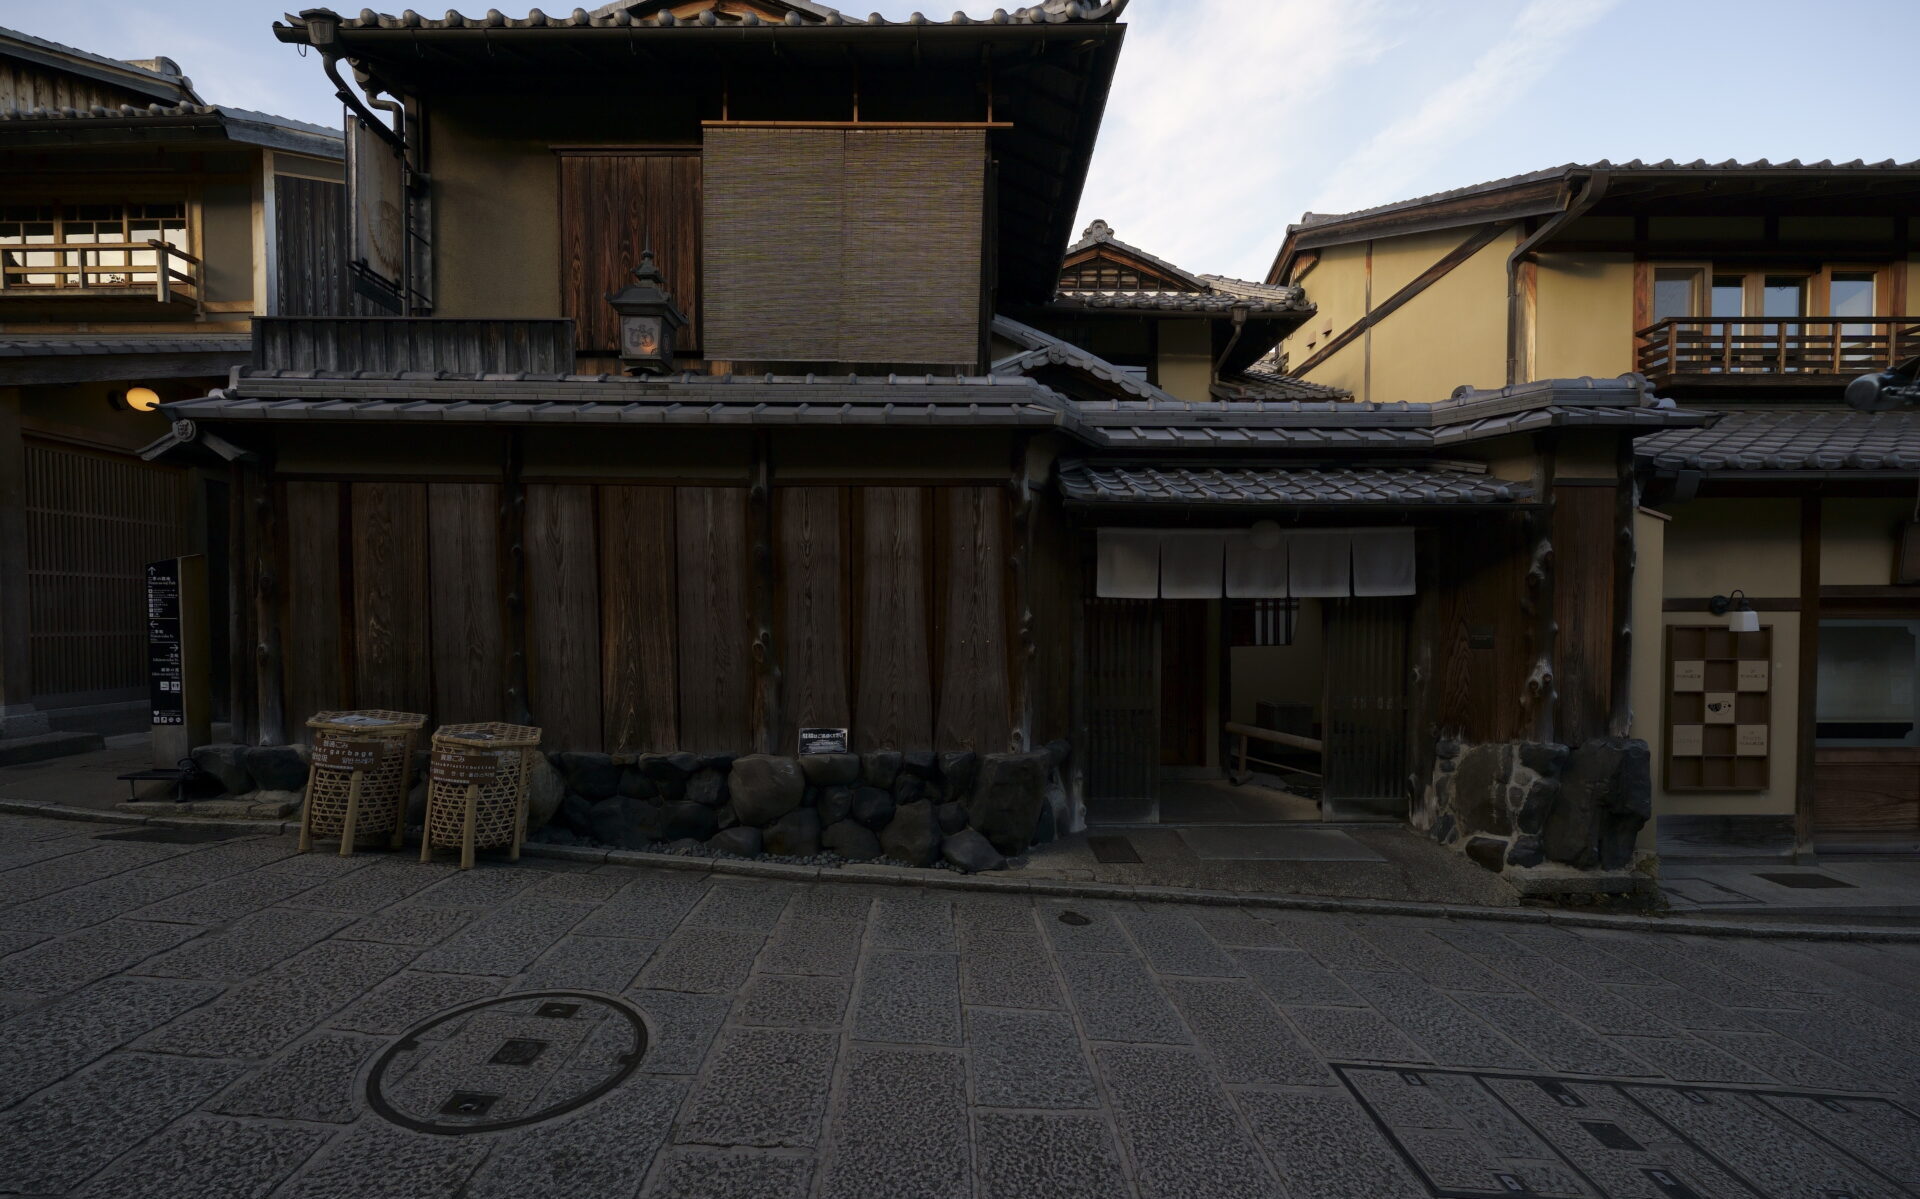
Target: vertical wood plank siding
{"x":392,"y":666}
{"x":893,"y":705}
{"x":1479,"y":585}
{"x":973,"y":709}
{"x":463,"y":570}
{"x":386,"y":343}
{"x":613,"y":206}
{"x":638,"y":620}
{"x":811,"y":569}
{"x":716,"y":676}
{"x":1583,"y":526}
{"x":316,"y":661}
{"x":1366,"y":704}
{"x":94,"y":521}
{"x":831,"y":245}
{"x":563,"y":614}
{"x":309,"y":247}
{"x":1123,"y":706}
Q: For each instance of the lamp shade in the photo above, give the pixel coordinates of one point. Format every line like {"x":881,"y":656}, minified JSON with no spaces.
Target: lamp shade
{"x":1743,"y":620}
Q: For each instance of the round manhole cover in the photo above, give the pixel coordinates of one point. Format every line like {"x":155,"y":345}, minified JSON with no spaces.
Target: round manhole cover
{"x":507,"y":1062}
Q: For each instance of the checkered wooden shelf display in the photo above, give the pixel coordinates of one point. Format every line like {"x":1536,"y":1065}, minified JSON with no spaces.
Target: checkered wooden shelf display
{"x":1719,"y":708}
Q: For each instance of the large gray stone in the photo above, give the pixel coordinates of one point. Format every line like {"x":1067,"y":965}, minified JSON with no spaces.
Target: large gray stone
{"x":765,"y":788}
{"x":969,"y":851}
{"x":1487,"y":852}
{"x":1539,"y":801}
{"x":575,"y":815}
{"x":959,"y":768}
{"x":635,"y":785}
{"x":879,"y":767}
{"x":667,"y":768}
{"x":835,"y":804}
{"x":545,"y":789}
{"x":872,"y":807}
{"x":625,"y":823}
{"x":1544,"y":758}
{"x":921,"y":763}
{"x":685,"y":818}
{"x":277,"y":767}
{"x":1480,"y":790}
{"x":224,"y":764}
{"x":593,"y":775}
{"x":828,"y":770}
{"x":1006,"y":800}
{"x":854,"y":842}
{"x":708,"y":786}
{"x":1629,"y":806}
{"x":953,"y":816}
{"x":1606,"y":795}
{"x":797,"y":834}
{"x":909,"y":788}
{"x":913,"y":835}
{"x":741,"y":840}
{"x":1525,"y":851}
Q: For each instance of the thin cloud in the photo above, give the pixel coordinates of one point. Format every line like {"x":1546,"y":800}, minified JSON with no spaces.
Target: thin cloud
{"x":1387,"y":166}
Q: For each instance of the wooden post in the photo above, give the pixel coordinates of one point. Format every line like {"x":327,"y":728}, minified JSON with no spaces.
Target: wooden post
{"x":1020,"y":568}
{"x":266,"y":550}
{"x":1809,"y":665}
{"x":513,"y":580}
{"x":1626,"y":554}
{"x":17,"y":714}
{"x":765,"y":651}
{"x":243,"y":696}
{"x":1539,"y":698}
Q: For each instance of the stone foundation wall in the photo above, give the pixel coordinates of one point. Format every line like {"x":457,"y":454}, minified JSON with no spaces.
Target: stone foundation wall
{"x":1521,"y":804}
{"x":969,"y":811}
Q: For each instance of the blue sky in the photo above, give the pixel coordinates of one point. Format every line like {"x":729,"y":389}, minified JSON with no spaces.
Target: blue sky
{"x":1229,"y":118}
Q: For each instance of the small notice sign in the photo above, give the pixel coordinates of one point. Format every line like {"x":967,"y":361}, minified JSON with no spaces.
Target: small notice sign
{"x":823,"y":741}
{"x":1750,"y":741}
{"x":1690,"y":676}
{"x":351,"y":753}
{"x":166,"y":673}
{"x":1688,"y":740}
{"x":1753,"y":675}
{"x":465,"y":768}
{"x":1720,"y":707}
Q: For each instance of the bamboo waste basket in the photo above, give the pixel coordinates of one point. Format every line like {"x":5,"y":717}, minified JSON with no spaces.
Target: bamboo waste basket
{"x":358,"y":780}
{"x":477,"y":789}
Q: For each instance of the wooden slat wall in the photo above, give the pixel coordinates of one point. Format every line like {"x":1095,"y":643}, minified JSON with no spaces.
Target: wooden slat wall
{"x":563,"y":614}
{"x":1480,"y":584}
{"x":716,"y":676}
{"x":1056,"y":608}
{"x":317,"y":679}
{"x":310,"y":256}
{"x":1122,"y":753}
{"x":973,"y":709}
{"x":26,"y":86}
{"x":1366,"y":706}
{"x":893,"y":704}
{"x":1863,"y":796}
{"x":464,"y":572}
{"x":390,"y":343}
{"x":612,"y":207}
{"x":640,"y":682}
{"x":812,"y":577}
{"x":1583,"y":601}
{"x":392,"y":663}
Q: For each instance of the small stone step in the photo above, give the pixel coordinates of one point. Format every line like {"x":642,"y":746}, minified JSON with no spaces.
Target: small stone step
{"x":18,"y":751}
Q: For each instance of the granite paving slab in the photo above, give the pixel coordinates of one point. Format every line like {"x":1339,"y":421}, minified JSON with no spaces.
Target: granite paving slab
{"x":1084,"y":926}
{"x":739,"y":903}
{"x":707,"y":961}
{"x":803,"y":945}
{"x":374,"y":888}
{"x":912,"y":922}
{"x":209,"y":1159}
{"x":1118,"y":1000}
{"x":909,"y":997}
{"x":409,"y":926}
{"x":1028,"y":1060}
{"x":506,"y":941}
{"x":680,"y":1028}
{"x":1174,"y":943}
{"x":410,"y":997}
{"x":605,"y":1148}
{"x":732,"y":1174}
{"x":1001,"y":967}
{"x":90,"y":903}
{"x":377,"y":1158}
{"x":763,"y":1086}
{"x":1449,"y":1033}
{"x":1292,"y":976}
{"x":1059,"y":1156}
{"x":247,"y":946}
{"x":258,"y":1017}
{"x":76,"y":959}
{"x":608,"y":964}
{"x":782,"y":1001}
{"x":313,"y":1081}
{"x":1244,"y":1033}
{"x":1325,"y":1147}
{"x":877,"y":1154}
{"x":1184,"y":1137}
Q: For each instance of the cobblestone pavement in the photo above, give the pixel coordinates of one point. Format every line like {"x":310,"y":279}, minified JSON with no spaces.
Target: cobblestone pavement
{"x":227,"y":1020}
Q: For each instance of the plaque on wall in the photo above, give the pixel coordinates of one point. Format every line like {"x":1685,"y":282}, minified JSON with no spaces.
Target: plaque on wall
{"x":823,"y":741}
{"x":1754,"y":676}
{"x":1690,"y":675}
{"x":1750,"y":741}
{"x":1688,"y":740}
{"x":1720,"y":707}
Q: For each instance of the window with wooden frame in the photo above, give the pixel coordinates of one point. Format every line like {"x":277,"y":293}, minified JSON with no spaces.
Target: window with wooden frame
{"x":1261,"y":621}
{"x":57,"y":245}
{"x":614,"y":205}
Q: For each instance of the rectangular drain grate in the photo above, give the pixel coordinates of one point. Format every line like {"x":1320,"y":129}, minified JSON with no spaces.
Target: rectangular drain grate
{"x":1110,"y":850}
{"x":1804,"y":880}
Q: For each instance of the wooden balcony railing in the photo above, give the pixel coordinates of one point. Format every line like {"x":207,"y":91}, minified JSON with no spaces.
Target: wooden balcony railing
{"x":1773,"y":349}
{"x":68,"y":268}
{"x":413,"y":343}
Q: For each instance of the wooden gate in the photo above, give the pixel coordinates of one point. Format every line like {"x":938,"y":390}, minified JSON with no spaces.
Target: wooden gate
{"x":1366,"y":707}
{"x":1123,"y":709}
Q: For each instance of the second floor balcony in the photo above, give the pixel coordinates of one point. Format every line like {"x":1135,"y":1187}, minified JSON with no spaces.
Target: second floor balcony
{"x":1805,"y":352}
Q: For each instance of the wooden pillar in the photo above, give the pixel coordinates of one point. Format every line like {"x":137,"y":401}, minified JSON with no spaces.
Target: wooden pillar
{"x":1809,"y":669}
{"x":1540,"y":698}
{"x":513,"y":580}
{"x":1020,"y":661}
{"x":18,"y":717}
{"x":768,"y":719}
{"x":243,"y":702}
{"x":1625,"y":560}
{"x":265,"y":545}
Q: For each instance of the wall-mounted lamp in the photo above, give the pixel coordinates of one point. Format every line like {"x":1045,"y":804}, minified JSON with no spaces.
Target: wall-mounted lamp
{"x":137,"y":399}
{"x":1741,"y":618}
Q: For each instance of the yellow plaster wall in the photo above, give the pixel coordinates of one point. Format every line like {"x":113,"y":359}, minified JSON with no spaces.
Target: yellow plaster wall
{"x":1714,"y":546}
{"x":1452,"y":333}
{"x":496,"y":194}
{"x":1583,"y":322}
{"x":1288,"y":673}
{"x":1338,"y":288}
{"x":1186,"y":360}
{"x":1859,"y":538}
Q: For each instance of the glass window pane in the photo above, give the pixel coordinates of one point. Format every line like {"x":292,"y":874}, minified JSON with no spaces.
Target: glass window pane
{"x":1783,"y":295}
{"x":1729,"y":295}
{"x":1866,"y":682}
{"x":1852,"y":295}
{"x":1673,"y":294}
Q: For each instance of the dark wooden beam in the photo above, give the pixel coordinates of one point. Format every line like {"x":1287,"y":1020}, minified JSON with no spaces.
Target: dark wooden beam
{"x":1475,"y":242}
{"x":1021,"y":675}
{"x":513,"y":579}
{"x":1626,"y":553}
{"x":1542,"y":694}
{"x":1809,"y":680}
{"x":268,"y":552}
{"x":768,"y":718}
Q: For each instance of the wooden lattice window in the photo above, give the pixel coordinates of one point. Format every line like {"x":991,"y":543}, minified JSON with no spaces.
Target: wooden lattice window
{"x":55,"y":246}
{"x":1261,"y":621}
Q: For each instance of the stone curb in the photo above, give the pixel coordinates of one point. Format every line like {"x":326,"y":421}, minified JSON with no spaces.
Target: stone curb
{"x":1059,"y":889}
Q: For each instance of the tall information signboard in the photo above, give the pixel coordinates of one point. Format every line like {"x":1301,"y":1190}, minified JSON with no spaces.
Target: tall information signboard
{"x":177,"y":657}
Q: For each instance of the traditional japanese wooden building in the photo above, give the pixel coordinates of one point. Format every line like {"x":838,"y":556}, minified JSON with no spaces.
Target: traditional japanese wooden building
{"x":893,"y":452}
{"x":140,"y":231}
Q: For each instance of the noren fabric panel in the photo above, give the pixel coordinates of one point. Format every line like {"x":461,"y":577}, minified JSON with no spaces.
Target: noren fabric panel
{"x":843,"y":245}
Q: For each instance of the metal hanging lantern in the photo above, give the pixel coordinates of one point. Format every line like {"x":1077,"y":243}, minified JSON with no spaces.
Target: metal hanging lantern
{"x":649,"y":320}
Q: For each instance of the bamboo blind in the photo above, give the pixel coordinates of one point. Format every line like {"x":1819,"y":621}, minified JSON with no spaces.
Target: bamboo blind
{"x":843,"y":245}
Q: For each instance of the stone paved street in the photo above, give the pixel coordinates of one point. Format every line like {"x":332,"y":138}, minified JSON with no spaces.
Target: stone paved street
{"x":210,"y":1019}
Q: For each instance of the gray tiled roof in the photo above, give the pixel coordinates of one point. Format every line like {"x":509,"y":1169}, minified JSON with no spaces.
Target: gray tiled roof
{"x":134,"y":76}
{"x":1398,"y":486}
{"x":226,"y":116}
{"x":1779,"y":440}
{"x":1253,"y":384}
{"x":240,"y":345}
{"x":1052,"y":12}
{"x":1213,"y":294}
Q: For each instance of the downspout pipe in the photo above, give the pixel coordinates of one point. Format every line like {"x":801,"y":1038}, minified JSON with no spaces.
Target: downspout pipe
{"x":1240,"y":314}
{"x":1591,"y":194}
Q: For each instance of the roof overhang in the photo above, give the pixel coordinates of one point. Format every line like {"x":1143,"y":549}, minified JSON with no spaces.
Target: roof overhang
{"x":98,"y":67}
{"x":52,"y":360}
{"x":184,"y":127}
{"x":1245,"y":487}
